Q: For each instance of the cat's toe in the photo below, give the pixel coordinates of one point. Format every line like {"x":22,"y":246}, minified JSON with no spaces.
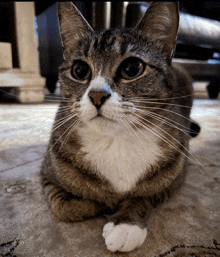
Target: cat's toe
{"x":123,"y":237}
{"x":135,"y":238}
{"x":107,"y":229}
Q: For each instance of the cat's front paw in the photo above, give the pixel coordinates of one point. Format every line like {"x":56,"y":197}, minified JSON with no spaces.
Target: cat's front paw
{"x":123,"y":237}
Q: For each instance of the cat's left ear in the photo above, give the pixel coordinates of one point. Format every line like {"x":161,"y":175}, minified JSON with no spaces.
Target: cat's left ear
{"x":73,"y":26}
{"x":161,"y":22}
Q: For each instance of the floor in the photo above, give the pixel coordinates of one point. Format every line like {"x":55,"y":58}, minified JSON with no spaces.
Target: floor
{"x":188,"y":225}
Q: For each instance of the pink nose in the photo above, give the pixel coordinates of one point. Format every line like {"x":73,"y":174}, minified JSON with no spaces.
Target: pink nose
{"x":98,"y":97}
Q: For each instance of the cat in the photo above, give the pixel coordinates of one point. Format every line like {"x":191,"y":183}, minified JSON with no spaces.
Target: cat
{"x":119,"y":144}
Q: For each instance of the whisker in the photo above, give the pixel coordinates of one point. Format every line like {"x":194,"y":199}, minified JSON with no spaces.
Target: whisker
{"x":194,"y":159}
{"x":41,"y":127}
{"x":186,"y":132}
{"x":30,"y":105}
{"x":61,"y":100}
{"x":171,"y":104}
{"x":166,"y":120}
{"x":20,"y":135}
{"x":62,"y":121}
{"x":162,"y":137}
{"x":64,"y":109}
{"x":157,"y":108}
{"x":34,"y":117}
{"x":71,"y":129}
{"x":138,"y":130}
{"x":130,"y":127}
{"x":167,"y":98}
{"x":48,"y":98}
{"x":50,"y":149}
{"x":48,"y":117}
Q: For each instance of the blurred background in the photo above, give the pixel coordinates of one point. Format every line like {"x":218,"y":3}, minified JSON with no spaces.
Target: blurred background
{"x":39,"y":45}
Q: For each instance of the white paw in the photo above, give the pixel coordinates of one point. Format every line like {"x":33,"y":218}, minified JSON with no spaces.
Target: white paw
{"x":123,"y":237}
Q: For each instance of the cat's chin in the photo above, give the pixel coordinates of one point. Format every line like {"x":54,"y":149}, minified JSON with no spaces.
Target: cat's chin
{"x":104,"y":125}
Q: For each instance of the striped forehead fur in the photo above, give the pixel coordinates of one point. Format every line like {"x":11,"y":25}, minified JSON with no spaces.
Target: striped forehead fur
{"x":107,"y":41}
{"x":104,"y":43}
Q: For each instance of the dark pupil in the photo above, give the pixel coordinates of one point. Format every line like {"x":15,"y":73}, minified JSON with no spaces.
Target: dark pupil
{"x":132,"y":68}
{"x":81,"y":70}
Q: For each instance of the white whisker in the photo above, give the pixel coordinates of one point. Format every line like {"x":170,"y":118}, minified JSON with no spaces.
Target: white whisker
{"x":62,"y":121}
{"x":71,"y":129}
{"x":157,"y":108}
{"x":162,"y":99}
{"x":193,"y":160}
{"x":61,"y":134}
{"x":165,"y":120}
{"x":152,"y":102}
{"x":152,"y":130}
{"x":126,"y":116}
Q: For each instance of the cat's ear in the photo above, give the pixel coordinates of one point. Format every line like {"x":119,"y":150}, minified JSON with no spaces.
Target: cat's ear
{"x":161,"y":22}
{"x":73,"y":26}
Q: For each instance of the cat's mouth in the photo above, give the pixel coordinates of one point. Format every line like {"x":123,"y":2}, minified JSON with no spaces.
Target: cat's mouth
{"x":101,"y":117}
{"x":105,"y":125}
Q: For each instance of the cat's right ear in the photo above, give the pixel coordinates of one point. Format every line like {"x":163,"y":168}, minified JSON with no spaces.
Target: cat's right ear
{"x":73,"y":26}
{"x":160,"y":23}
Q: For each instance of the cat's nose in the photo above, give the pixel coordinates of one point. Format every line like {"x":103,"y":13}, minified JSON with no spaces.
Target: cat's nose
{"x":98,"y":97}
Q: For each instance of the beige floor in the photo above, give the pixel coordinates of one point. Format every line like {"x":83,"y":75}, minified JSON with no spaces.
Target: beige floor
{"x":188,"y":225}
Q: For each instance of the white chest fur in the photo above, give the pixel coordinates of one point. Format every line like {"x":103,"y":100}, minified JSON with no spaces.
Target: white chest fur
{"x":123,"y":158}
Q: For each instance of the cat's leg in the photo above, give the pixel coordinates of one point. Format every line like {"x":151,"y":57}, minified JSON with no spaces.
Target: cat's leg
{"x":67,"y":207}
{"x":127,"y":228}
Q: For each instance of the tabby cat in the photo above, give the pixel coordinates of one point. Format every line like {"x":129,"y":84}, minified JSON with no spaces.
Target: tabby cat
{"x":119,"y":142}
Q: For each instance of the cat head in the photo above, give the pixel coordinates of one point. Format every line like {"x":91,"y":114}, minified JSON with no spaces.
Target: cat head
{"x":105,"y":72}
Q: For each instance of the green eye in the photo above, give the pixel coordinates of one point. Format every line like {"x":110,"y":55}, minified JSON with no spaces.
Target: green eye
{"x":131,"y":68}
{"x":80,"y":70}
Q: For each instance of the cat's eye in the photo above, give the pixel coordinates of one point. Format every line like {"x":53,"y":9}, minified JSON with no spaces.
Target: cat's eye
{"x":80,"y":70}
{"x":131,"y":68}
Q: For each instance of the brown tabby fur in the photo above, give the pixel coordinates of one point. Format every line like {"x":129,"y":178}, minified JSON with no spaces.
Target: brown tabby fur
{"x":73,"y":187}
